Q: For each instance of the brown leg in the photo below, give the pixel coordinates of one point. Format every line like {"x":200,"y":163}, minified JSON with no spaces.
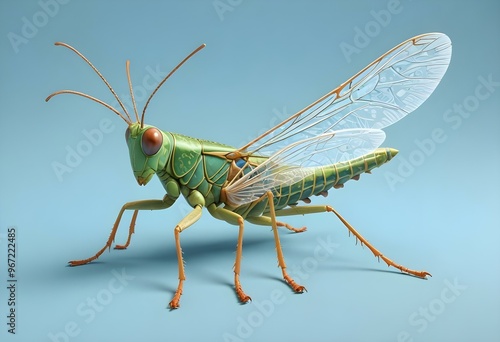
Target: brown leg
{"x":376,"y":252}
{"x":187,"y":221}
{"x":266,"y":221}
{"x":326,"y":208}
{"x":233,"y":218}
{"x":131,"y":231}
{"x":137,"y":205}
{"x":237,"y":265}
{"x":281,"y":261}
{"x":287,"y":226}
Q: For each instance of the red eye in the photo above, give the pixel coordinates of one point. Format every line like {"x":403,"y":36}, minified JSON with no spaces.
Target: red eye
{"x":152,"y":139}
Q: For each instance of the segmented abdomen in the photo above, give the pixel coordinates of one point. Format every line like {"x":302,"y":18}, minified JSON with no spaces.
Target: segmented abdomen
{"x":323,"y":179}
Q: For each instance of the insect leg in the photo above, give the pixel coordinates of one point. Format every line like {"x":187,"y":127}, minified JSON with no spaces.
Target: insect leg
{"x":136,"y":205}
{"x":235,"y":219}
{"x":281,"y":261}
{"x":187,"y":221}
{"x":131,"y":231}
{"x":326,"y":208}
{"x":266,"y":221}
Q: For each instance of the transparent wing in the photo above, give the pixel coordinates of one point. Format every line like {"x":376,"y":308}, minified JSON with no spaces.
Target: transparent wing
{"x":297,"y":160}
{"x":385,"y":91}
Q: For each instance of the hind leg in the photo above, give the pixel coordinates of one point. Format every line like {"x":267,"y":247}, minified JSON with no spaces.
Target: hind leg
{"x":302,"y":210}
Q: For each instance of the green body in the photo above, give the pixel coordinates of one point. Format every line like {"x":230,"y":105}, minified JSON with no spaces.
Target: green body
{"x":221,"y":177}
{"x":191,"y":167}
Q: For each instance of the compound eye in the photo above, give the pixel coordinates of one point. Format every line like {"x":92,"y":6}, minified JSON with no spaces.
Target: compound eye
{"x":127,"y":134}
{"x":152,"y":139}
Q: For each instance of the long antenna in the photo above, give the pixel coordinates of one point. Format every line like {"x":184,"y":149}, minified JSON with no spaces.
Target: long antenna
{"x":90,"y":98}
{"x":127,"y":65}
{"x":102,"y":78}
{"x":166,"y":78}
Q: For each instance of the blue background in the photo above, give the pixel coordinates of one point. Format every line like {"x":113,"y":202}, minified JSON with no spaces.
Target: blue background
{"x":264,"y":60}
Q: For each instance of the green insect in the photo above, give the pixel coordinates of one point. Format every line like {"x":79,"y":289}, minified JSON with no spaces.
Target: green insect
{"x":322,"y":146}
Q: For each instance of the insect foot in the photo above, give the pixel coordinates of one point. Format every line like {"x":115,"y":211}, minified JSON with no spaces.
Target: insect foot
{"x":242,"y":296}
{"x":376,"y":252}
{"x":295,"y":287}
{"x":78,"y":262}
{"x":389,"y":262}
{"x":293,"y":229}
{"x":174,"y":303}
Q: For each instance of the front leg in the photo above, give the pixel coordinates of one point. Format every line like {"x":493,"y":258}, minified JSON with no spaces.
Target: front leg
{"x":131,"y":230}
{"x":166,"y":202}
{"x":185,"y":223}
